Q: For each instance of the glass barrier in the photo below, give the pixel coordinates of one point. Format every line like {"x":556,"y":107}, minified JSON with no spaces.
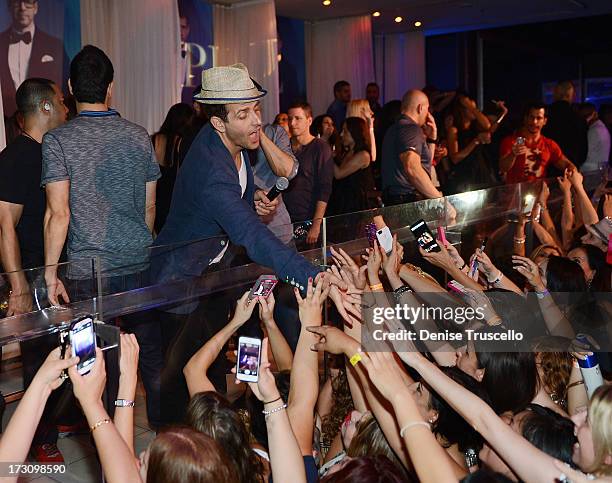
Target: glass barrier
{"x":25,"y":307}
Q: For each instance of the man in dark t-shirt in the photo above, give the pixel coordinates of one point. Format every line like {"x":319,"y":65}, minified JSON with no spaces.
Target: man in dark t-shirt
{"x":407,"y":153}
{"x":22,"y":209}
{"x":308,"y":194}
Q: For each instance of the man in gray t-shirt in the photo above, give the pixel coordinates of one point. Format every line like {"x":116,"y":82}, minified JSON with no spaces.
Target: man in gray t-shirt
{"x":281,"y":162}
{"x":99,"y":172}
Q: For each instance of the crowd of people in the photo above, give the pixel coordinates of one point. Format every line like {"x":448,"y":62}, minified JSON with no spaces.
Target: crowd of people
{"x":329,"y":404}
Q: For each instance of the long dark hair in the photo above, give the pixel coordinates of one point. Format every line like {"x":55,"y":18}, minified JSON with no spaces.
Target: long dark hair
{"x":449,"y":424}
{"x":564,"y":275}
{"x":358,"y":129}
{"x":212,"y":414}
{"x":177,"y":124}
{"x":316,"y":129}
{"x":597,"y":261}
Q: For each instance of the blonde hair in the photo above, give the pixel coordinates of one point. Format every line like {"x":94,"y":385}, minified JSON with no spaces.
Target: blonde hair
{"x":354,"y":108}
{"x":600,"y":420}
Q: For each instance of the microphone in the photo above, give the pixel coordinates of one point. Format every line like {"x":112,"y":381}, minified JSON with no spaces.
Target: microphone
{"x":282,"y":184}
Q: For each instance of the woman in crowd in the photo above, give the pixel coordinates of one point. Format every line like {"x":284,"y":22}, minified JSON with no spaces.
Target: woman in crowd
{"x":167,"y":145}
{"x":282,"y":120}
{"x":323,"y":127}
{"x":361,"y":108}
{"x":353,"y":179}
{"x":467,"y":131}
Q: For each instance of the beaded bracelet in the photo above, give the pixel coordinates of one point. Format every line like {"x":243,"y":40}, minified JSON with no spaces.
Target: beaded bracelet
{"x":99,"y":423}
{"x":275,"y":410}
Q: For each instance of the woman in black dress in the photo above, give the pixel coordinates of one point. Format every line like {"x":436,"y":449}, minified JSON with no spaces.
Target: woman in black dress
{"x":353,"y":179}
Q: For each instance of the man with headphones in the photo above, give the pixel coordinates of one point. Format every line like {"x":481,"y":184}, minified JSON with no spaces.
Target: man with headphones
{"x":22,"y":210}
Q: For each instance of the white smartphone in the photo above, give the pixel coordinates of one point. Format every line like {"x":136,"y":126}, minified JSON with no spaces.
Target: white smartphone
{"x":249,"y":356}
{"x":83,"y":343}
{"x":385,"y":239}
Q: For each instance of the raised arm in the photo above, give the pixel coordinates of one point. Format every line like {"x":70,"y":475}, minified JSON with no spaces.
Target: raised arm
{"x":528,"y":462}
{"x":583,"y":202}
{"x":283,"y":357}
{"x":431,"y":463}
{"x":195,"y":370}
{"x":351,"y":164}
{"x":118,"y":462}
{"x":18,"y":435}
{"x":567,"y":213}
{"x":286,"y":460}
{"x":278,"y":152}
{"x":304,"y":386}
{"x":128,"y":379}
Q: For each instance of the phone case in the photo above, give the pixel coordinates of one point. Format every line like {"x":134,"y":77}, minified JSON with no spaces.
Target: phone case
{"x":241,"y":361}
{"x":442,"y":235}
{"x":385,"y":239}
{"x":263,"y":286}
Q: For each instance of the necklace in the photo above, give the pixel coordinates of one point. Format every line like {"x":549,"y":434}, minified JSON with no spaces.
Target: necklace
{"x":26,"y":134}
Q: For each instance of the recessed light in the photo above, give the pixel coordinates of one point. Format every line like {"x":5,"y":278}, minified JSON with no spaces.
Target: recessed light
{"x":417,"y":24}
{"x":376,"y":14}
{"x":327,"y":3}
{"x":398,"y":19}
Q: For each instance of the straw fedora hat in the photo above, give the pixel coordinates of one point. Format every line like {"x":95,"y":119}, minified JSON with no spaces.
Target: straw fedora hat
{"x":227,"y":85}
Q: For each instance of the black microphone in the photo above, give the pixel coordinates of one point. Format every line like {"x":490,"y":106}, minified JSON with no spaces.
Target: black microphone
{"x":282,"y":184}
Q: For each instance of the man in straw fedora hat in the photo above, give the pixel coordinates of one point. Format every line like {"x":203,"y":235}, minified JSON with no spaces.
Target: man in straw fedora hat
{"x":215,"y":192}
{"x":214,"y":195}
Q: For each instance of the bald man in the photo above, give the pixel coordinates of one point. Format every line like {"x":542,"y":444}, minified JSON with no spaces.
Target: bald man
{"x":407,"y":153}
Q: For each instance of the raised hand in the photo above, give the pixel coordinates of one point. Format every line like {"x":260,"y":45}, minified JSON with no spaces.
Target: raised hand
{"x":49,"y":374}
{"x":528,"y":269}
{"x":333,"y":340}
{"x":128,"y":362}
{"x":244,"y":309}
{"x":564,"y":182}
{"x":88,"y":388}
{"x":385,"y":373}
{"x":266,"y":308}
{"x":265,"y":388}
{"x":310,"y":307}
{"x":374,"y":260}
{"x":345,"y":262}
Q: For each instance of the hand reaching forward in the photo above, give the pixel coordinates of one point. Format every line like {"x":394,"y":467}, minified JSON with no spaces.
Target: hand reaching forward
{"x":311,"y":306}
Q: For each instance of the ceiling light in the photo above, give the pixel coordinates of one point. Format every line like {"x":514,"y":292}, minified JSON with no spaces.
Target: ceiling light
{"x":376,"y":14}
{"x":327,"y":3}
{"x":417,"y":23}
{"x":398,"y":19}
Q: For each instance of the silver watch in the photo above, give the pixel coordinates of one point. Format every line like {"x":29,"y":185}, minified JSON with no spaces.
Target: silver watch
{"x":124,"y":403}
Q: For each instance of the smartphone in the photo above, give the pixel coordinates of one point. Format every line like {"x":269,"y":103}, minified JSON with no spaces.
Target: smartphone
{"x":424,"y":237}
{"x":474,"y":266}
{"x":520,"y":141}
{"x":249,"y":356}
{"x":528,"y":203}
{"x":456,"y":287}
{"x":83,"y":342}
{"x":442,"y":235}
{"x":263,"y":286}
{"x":385,"y":239}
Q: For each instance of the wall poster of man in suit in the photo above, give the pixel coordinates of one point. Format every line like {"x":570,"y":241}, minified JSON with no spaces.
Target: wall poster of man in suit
{"x":31,"y":45}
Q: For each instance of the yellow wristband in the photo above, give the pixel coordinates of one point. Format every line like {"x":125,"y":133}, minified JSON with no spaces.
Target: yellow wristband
{"x":376,"y":287}
{"x":355,"y":359}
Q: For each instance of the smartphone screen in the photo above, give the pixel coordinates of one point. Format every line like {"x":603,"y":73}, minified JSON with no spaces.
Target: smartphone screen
{"x":424,"y":237}
{"x":83,"y":342}
{"x":263,"y":286}
{"x":247,"y":362}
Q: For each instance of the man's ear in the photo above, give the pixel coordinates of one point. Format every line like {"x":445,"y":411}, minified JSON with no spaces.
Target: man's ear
{"x":109,"y":93}
{"x":218,"y":124}
{"x":70,"y":87}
